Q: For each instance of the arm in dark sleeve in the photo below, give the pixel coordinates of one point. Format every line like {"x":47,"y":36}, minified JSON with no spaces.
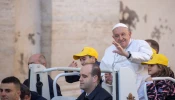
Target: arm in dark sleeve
{"x":71,"y":79}
{"x":36,"y":96}
{"x":108,"y":98}
{"x":58,"y":90}
{"x":51,"y":88}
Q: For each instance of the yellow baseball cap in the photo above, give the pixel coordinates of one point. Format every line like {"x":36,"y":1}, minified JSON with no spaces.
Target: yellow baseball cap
{"x":158,"y":59}
{"x":86,"y":51}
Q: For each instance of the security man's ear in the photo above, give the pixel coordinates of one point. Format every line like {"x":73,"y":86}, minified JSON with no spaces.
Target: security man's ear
{"x":19,"y":93}
{"x":27,"y":97}
{"x":95,"y":78}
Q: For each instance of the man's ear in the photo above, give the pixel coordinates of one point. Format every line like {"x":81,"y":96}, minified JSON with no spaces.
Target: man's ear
{"x":26,"y":97}
{"x":19,"y":93}
{"x":92,"y":59}
{"x":95,"y":78}
{"x":44,"y":64}
{"x":130,"y":33}
{"x":113,"y":37}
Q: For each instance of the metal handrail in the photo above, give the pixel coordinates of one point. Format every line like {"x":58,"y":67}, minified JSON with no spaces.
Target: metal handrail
{"x":68,"y":69}
{"x":60,"y":75}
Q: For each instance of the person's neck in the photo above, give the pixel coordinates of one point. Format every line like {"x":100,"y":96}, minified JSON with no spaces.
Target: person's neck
{"x":128,"y":44}
{"x":90,"y":89}
{"x":18,"y":98}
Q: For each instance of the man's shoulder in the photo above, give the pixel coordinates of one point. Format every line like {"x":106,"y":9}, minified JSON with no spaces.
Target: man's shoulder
{"x":104,"y":95}
{"x":103,"y":91}
{"x":26,"y":82}
{"x":138,"y":41}
{"x":81,"y":96}
{"x":36,"y":96}
{"x":110,"y":48}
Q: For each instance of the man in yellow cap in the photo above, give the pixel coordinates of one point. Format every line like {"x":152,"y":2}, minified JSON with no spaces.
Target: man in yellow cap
{"x":87,"y":56}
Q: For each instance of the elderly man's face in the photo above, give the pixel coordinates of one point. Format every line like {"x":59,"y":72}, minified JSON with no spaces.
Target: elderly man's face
{"x":36,"y":59}
{"x":8,"y":91}
{"x":122,"y":36}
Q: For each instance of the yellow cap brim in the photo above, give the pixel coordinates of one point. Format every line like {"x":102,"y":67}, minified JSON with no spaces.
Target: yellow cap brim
{"x":157,"y":59}
{"x":149,"y":63}
{"x":77,"y":56}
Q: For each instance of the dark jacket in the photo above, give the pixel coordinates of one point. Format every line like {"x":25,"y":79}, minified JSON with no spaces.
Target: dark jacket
{"x":97,"y":94}
{"x":36,"y":96}
{"x":75,"y":78}
{"x":26,"y":82}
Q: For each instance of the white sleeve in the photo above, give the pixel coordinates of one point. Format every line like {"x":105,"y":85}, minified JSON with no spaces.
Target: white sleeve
{"x":143,"y":54}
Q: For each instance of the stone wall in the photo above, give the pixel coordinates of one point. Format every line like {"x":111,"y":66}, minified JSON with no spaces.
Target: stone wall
{"x":7,"y":29}
{"x":152,"y":20}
